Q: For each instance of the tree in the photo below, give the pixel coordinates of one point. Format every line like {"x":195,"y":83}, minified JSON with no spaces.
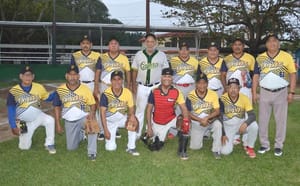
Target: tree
{"x":248,"y":19}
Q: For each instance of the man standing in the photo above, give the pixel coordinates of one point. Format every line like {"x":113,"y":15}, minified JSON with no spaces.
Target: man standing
{"x":234,"y":109}
{"x":146,"y":66}
{"x":204,"y":108}
{"x":274,"y":72}
{"x":185,"y":68}
{"x":161,"y":114}
{"x":78,"y":105}
{"x":89,"y":65}
{"x":211,"y":67}
{"x":24,"y":111}
{"x":116,"y":105}
{"x":239,"y":65}
{"x":112,"y":61}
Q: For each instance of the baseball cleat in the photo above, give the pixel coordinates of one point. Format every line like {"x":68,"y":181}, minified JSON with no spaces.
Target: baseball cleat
{"x":118,"y":135}
{"x":217,"y":155}
{"x":92,"y":157}
{"x":263,"y":150}
{"x":236,"y":141}
{"x":101,"y":137}
{"x":51,"y":149}
{"x":278,"y":152}
{"x":171,"y":136}
{"x":184,"y":156}
{"x":133,"y":152}
{"x":251,"y":153}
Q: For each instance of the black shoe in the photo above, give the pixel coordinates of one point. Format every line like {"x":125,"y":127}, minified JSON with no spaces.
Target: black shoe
{"x":183,"y":156}
{"x":263,"y":150}
{"x":92,"y":157}
{"x":278,"y":152}
{"x":101,"y":137}
{"x":118,"y":135}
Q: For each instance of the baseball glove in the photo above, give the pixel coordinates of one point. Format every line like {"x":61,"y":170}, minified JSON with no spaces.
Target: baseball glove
{"x":132,"y":124}
{"x":91,"y":127}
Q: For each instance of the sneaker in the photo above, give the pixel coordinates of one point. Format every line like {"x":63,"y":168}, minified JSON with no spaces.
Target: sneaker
{"x":205,"y":137}
{"x":217,"y":155}
{"x":133,"y":152}
{"x":100,"y":136}
{"x":92,"y":157}
{"x":171,"y":136}
{"x":278,"y":152}
{"x":118,"y":135}
{"x":51,"y":149}
{"x":183,"y":156}
{"x":251,"y":153}
{"x":236,"y":141}
{"x":263,"y":150}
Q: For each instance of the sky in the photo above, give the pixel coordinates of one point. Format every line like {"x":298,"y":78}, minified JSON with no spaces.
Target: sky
{"x":133,"y":12}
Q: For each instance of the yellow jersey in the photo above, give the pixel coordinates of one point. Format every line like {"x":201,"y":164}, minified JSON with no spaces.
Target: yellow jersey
{"x":115,"y":103}
{"x":237,"y":108}
{"x":184,"y":71}
{"x":119,"y":63}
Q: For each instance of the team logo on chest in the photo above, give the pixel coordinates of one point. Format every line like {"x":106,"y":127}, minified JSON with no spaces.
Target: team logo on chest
{"x":148,"y":66}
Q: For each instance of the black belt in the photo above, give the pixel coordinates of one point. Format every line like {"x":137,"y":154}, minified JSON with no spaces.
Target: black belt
{"x":87,"y":81}
{"x":148,"y":85}
{"x":273,"y":90}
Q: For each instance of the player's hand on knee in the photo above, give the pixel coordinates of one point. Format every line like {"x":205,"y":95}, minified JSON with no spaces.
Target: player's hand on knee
{"x":290,"y":98}
{"x":204,"y":122}
{"x":243,"y":128}
{"x":224,"y":140}
{"x":16,"y":131}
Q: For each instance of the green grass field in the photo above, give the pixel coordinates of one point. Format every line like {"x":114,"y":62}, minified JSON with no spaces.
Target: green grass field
{"x":37,"y":167}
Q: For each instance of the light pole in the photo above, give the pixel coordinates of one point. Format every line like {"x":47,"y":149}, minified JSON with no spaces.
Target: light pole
{"x":54,"y":34}
{"x":147,"y":16}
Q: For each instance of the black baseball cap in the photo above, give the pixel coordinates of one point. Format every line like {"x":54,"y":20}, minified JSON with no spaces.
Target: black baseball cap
{"x":201,"y":77}
{"x":116,"y":73}
{"x":72,"y":68}
{"x":25,"y":69}
{"x":238,"y":39}
{"x":233,"y":81}
{"x":86,"y":37}
{"x":167,"y":71}
{"x":113,"y":38}
{"x":269,"y":35}
{"x":184,"y":44}
{"x":213,"y":44}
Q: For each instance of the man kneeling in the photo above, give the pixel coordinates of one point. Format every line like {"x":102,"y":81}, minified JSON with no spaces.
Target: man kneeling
{"x":204,"y":110}
{"x":161,"y":114}
{"x":234,"y":110}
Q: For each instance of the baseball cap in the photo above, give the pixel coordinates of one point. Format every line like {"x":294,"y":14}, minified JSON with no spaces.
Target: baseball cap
{"x":116,"y":73}
{"x":238,"y":39}
{"x":184,"y":44}
{"x":269,"y":35}
{"x":233,"y":81}
{"x":201,"y":77}
{"x":167,"y":71}
{"x":25,"y":69}
{"x":72,"y":68}
{"x":213,"y":44}
{"x":86,"y":37}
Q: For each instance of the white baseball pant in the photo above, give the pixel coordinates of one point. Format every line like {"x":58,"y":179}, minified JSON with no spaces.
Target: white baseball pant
{"x":42,"y":119}
{"x":113,"y":123}
{"x":141,"y":103}
{"x":232,"y":127}
{"x":162,"y":130}
{"x":198,"y":131}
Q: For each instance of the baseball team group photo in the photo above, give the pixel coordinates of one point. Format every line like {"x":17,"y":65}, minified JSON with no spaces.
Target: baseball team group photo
{"x":222,"y":111}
